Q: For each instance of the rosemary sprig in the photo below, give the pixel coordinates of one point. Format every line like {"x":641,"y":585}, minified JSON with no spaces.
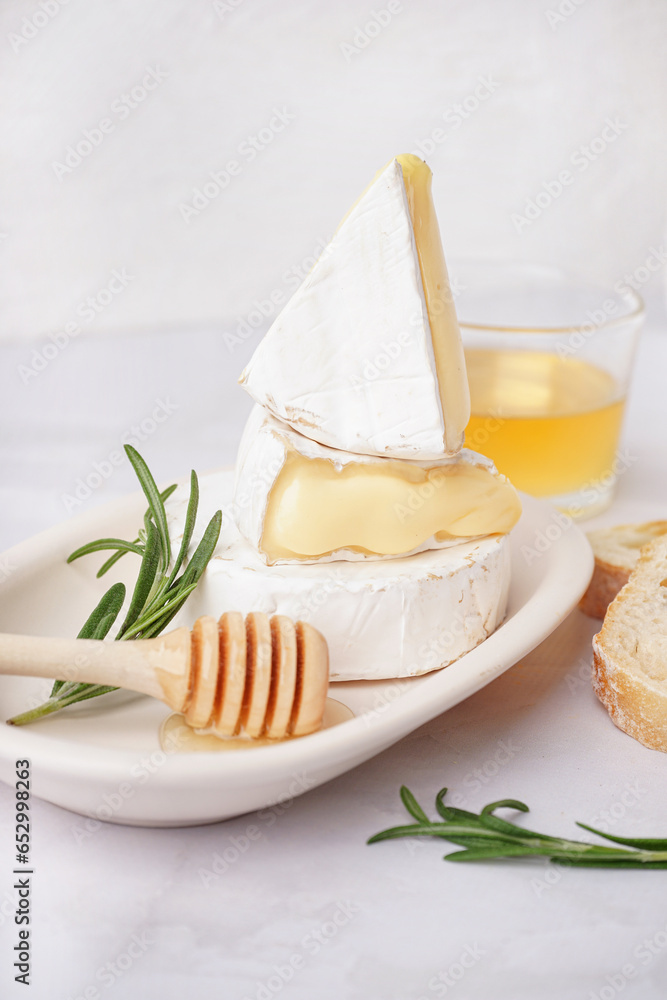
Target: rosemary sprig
{"x":159,"y":592}
{"x":485,"y":836}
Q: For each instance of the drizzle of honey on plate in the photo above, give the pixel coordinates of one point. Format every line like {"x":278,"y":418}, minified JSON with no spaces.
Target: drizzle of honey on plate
{"x":177,"y":737}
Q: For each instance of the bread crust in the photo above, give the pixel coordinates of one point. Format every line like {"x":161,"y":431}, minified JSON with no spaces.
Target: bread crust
{"x":637,"y":711}
{"x":625,"y":541}
{"x":628,"y":668}
{"x":606,"y":582}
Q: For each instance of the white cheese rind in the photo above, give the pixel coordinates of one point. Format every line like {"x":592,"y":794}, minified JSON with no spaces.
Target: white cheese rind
{"x":264,"y":446}
{"x":349,"y":361}
{"x":390,"y":618}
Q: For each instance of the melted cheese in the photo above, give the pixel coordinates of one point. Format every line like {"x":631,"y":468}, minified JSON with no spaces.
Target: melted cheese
{"x":386,"y":508}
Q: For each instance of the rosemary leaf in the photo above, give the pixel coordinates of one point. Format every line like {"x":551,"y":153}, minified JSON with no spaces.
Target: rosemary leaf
{"x":411,"y":804}
{"x":488,"y":854}
{"x":167,"y":493}
{"x":450,"y":812}
{"x":203,"y":552}
{"x":111,"y":561}
{"x":100,"y":621}
{"x":106,"y":543}
{"x":155,"y":617}
{"x":155,"y":501}
{"x":486,"y":837}
{"x":150,"y":564}
{"x":643,"y":843}
{"x":78,"y":692}
{"x":190,"y":518}
{"x":139,"y":541}
{"x":109,"y":605}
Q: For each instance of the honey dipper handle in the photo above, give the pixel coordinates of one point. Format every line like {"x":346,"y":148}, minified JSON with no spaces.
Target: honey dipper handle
{"x":159,"y":667}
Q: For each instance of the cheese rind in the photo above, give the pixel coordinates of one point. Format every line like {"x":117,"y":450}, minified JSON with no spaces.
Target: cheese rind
{"x":445,"y":334}
{"x":352,"y":361}
{"x":386,"y":618}
{"x":298,"y":500}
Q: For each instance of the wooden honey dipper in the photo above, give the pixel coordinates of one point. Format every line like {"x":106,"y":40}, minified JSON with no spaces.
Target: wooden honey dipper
{"x":255,"y":677}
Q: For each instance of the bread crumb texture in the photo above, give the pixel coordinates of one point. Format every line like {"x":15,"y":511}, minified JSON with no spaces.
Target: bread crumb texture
{"x":630,"y":651}
{"x":616,"y":552}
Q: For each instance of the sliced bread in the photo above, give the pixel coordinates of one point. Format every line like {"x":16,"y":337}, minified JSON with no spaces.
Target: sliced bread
{"x":616,"y":552}
{"x":630,"y":651}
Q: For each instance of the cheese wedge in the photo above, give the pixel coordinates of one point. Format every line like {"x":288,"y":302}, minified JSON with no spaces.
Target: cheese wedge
{"x":295,"y":499}
{"x":382,"y":618}
{"x":367,"y":356}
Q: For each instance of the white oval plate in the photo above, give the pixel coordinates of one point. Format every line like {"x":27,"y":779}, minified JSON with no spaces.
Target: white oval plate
{"x":103,"y":759}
